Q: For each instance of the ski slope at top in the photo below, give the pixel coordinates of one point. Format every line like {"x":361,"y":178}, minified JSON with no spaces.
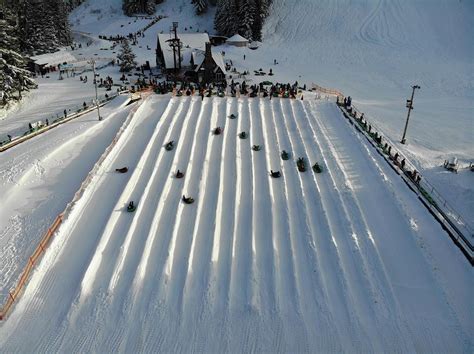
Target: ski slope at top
{"x":345,"y":260}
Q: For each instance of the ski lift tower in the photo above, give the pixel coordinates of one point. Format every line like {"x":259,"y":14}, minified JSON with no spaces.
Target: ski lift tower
{"x":410,"y":107}
{"x":92,"y":62}
{"x":175,"y":44}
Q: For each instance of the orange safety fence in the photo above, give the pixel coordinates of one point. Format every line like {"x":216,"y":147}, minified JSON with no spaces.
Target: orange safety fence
{"x":326,"y":90}
{"x":35,"y":257}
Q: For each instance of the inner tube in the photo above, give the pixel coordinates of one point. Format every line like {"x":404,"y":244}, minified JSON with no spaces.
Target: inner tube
{"x":169,"y":146}
{"x":187,"y":200}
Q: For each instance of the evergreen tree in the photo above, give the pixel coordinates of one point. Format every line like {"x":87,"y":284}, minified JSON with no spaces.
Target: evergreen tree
{"x":150,"y":7}
{"x":14,"y":79}
{"x":225,"y":21}
{"x":59,"y":14}
{"x":131,"y":7}
{"x":246,"y":16}
{"x":258,"y":18}
{"x":200,"y":6}
{"x":43,"y":26}
{"x":126,"y":57}
{"x":72,"y":4}
{"x":41,"y":30}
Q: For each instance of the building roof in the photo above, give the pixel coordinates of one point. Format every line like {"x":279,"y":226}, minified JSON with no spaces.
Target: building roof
{"x":237,"y":38}
{"x":55,"y":58}
{"x":190,"y":42}
{"x":198,"y":58}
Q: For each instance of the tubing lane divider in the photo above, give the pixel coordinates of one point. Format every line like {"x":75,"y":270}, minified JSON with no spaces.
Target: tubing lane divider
{"x":40,"y":250}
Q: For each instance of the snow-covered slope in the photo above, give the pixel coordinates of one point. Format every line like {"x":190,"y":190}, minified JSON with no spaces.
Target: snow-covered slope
{"x":375,"y":50}
{"x":346,"y":260}
{"x":39,"y":177}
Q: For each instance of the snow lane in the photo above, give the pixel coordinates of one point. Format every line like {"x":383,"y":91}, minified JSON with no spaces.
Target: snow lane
{"x":195,"y":185}
{"x":368,"y":258}
{"x":200,"y":255}
{"x":167,"y":178}
{"x":139,"y":184}
{"x":285,"y":286}
{"x":155,"y":253}
{"x":124,"y":156}
{"x":262,"y":232}
{"x":177,"y":262}
{"x":169,"y":202}
{"x":241,"y":250}
{"x":222,"y":247}
{"x":354,"y":278}
{"x":242,"y":272}
{"x":287,"y":293}
{"x":139,"y":230}
{"x":332,"y":265}
{"x":300,"y":226}
{"x":82,"y":315}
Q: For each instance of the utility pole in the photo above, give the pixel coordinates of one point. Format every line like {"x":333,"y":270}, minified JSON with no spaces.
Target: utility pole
{"x":92,"y":61}
{"x":410,"y":107}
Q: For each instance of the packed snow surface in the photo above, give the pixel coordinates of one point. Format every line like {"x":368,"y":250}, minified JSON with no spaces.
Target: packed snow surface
{"x":346,"y":260}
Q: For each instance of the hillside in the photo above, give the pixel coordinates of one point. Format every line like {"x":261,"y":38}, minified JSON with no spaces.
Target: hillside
{"x":374,"y":51}
{"x":304,"y":262}
{"x":342,"y":261}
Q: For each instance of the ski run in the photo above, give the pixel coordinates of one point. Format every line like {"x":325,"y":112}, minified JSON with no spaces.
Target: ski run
{"x":344,"y":260}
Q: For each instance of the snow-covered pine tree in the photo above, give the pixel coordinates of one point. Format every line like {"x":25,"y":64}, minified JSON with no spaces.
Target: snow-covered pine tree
{"x":225,"y":20}
{"x":246,"y":18}
{"x":200,"y":6}
{"x":126,"y":57}
{"x":42,"y":31}
{"x":59,"y":16}
{"x":150,"y":7}
{"x":72,"y":4}
{"x":43,"y":26}
{"x":14,"y":79}
{"x":131,"y":7}
{"x":258,"y":18}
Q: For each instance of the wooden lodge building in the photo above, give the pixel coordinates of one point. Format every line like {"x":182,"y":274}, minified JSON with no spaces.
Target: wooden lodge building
{"x":189,"y":56}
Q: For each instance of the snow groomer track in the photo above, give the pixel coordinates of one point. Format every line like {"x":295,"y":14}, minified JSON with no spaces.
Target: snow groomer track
{"x":344,"y":260}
